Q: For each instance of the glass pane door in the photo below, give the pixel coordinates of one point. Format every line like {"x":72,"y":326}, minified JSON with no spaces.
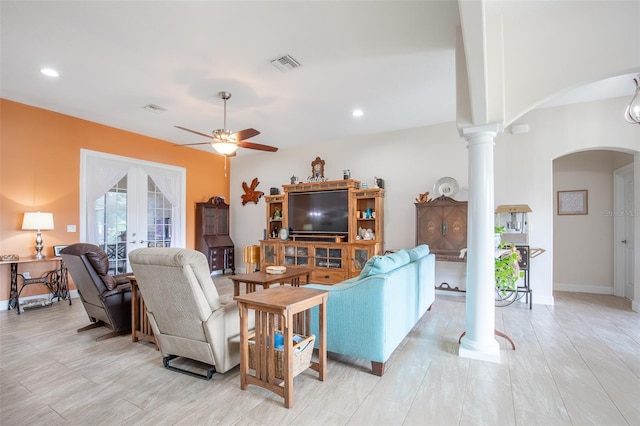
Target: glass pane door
{"x":120,"y":213}
{"x":111,"y":221}
{"x":128,"y":203}
{"x":159,"y":216}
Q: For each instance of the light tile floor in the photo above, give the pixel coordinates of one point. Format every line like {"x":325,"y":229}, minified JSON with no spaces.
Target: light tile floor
{"x":577,"y":362}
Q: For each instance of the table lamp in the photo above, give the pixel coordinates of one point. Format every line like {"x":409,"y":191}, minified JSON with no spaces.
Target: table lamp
{"x":37,"y":221}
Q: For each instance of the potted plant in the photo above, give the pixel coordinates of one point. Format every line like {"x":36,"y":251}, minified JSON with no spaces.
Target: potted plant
{"x":506,"y":265}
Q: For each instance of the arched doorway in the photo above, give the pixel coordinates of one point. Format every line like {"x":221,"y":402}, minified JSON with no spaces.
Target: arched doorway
{"x":585,"y":245}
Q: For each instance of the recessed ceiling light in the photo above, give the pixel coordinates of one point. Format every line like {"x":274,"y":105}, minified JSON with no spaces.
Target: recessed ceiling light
{"x":49,"y":72}
{"x":357,"y":112}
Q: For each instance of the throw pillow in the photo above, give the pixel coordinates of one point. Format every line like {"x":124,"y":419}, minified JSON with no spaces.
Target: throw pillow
{"x":418,"y":252}
{"x":386,"y":263}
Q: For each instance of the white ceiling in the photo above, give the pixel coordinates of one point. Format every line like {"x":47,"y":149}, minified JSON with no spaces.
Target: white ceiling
{"x":393,"y":59}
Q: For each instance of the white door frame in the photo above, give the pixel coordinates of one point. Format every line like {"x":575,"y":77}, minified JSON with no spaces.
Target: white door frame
{"x":86,"y":155}
{"x":619,"y":229}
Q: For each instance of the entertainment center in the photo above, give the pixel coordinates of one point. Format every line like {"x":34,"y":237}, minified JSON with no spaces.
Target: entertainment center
{"x":333,"y":227}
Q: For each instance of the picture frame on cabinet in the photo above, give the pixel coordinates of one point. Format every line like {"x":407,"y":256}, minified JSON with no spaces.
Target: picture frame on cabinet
{"x":57,"y":250}
{"x":574,"y":202}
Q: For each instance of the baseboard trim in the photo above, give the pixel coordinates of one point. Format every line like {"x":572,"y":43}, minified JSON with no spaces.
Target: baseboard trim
{"x":582,"y":288}
{"x":4,"y":304}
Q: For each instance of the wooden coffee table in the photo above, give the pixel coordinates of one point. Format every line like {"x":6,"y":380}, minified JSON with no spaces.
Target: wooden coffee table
{"x":287,"y":310}
{"x":291,"y":276}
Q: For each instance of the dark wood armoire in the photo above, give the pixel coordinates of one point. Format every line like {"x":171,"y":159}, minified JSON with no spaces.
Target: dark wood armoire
{"x":442,"y":224}
{"x":212,"y":234}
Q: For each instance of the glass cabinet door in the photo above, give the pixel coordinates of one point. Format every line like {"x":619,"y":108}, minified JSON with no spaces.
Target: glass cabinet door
{"x":328,"y":257}
{"x":302,"y":256}
{"x":296,"y":255}
{"x":360,"y":255}
{"x":270,"y":254}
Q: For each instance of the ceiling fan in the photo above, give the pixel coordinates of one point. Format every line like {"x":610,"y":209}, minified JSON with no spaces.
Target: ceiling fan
{"x":224,"y":141}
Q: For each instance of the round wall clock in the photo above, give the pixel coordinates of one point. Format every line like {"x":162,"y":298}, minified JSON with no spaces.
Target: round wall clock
{"x":283,"y":234}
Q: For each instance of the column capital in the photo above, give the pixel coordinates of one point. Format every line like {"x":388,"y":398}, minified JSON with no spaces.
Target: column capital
{"x":493,"y":128}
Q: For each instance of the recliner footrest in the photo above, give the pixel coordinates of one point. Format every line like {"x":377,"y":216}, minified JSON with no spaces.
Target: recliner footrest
{"x":210,"y":372}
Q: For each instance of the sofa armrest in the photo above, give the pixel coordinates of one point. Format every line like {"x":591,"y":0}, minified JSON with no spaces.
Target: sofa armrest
{"x":123,"y":278}
{"x":122,"y":288}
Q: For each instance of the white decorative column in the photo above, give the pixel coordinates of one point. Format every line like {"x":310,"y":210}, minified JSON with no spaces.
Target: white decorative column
{"x":479,"y":341}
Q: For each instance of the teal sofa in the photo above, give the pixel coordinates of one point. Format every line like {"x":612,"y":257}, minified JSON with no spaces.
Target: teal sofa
{"x":369,"y":315}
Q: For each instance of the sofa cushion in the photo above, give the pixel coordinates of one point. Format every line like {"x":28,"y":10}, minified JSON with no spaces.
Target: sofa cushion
{"x":384,"y":264}
{"x":418,"y":252}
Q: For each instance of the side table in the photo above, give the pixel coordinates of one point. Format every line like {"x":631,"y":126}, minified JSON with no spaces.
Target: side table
{"x":285,"y":309}
{"x":140,"y":326}
{"x":56,"y":281}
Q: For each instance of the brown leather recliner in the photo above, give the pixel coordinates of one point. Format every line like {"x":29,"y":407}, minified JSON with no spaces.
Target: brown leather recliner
{"x":106,"y":298}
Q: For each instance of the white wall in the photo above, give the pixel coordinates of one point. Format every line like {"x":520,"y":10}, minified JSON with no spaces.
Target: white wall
{"x":593,"y":171}
{"x":559,"y":45}
{"x":411,"y":161}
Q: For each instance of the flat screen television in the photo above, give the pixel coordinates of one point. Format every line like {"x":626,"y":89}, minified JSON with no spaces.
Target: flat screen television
{"x":321,"y":212}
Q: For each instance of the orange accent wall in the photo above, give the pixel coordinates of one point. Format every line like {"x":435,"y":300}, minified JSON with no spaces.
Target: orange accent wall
{"x":40,"y":170}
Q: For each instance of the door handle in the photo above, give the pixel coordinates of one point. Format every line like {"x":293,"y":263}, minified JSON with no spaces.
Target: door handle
{"x":624,"y":241}
{"x":443,"y":228}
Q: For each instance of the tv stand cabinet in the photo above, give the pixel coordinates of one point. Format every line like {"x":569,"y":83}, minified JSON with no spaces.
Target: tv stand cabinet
{"x":333,"y":258}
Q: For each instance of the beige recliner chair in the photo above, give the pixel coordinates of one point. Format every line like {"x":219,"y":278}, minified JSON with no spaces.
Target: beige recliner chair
{"x":185,"y":311}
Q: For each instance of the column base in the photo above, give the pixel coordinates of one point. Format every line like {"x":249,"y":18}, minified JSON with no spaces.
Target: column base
{"x":489,"y":352}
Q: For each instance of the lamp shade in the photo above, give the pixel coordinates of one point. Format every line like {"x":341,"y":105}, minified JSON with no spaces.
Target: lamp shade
{"x":37,"y":221}
{"x":225,"y":148}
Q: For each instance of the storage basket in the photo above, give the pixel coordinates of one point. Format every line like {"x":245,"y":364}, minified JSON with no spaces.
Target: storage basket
{"x":301,"y":358}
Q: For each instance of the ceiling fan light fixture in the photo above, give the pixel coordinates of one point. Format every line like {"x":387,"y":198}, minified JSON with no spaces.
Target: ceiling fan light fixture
{"x":632,"y":114}
{"x":225,"y":148}
{"x":224,"y":135}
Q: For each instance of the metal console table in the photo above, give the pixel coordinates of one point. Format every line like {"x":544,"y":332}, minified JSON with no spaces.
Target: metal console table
{"x":55,"y":280}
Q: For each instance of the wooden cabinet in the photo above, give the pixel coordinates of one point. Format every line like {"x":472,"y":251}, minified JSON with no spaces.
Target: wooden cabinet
{"x":442,"y":224}
{"x":367,"y":212}
{"x":212,"y":234}
{"x":329,"y":263}
{"x":328,"y":260}
{"x":275,"y":215}
{"x":333,"y":258}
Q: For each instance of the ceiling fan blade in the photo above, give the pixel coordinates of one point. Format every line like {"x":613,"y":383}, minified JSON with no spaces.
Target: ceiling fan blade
{"x":193,"y":131}
{"x":246,"y":134}
{"x":259,"y":147}
{"x":197,"y":143}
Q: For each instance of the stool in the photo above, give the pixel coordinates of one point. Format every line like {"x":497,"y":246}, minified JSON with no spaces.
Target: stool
{"x":251,"y":259}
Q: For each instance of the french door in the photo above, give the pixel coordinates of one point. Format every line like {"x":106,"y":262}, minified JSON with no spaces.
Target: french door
{"x":127,"y":203}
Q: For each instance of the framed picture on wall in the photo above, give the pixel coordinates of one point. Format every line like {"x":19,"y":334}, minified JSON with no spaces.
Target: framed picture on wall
{"x":573,"y":202}
{"x":57,"y":250}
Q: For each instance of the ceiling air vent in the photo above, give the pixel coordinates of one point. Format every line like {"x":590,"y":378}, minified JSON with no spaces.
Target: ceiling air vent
{"x":154,"y":108}
{"x":285,"y":63}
